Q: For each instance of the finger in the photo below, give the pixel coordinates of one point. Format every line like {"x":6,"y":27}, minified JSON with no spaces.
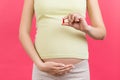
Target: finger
{"x":64,"y":71}
{"x":54,"y":74}
{"x":66,"y":24}
{"x":72,"y":18}
{"x":66,"y":17}
{"x":57,"y":68}
{"x":77,"y":19}
{"x":70,"y":65}
{"x":69,"y":17}
{"x":65,"y":67}
{"x":59,"y":65}
{"x":61,"y":71}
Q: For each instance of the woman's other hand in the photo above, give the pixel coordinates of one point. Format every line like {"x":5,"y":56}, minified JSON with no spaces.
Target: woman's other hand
{"x":54,"y":68}
{"x":96,"y":30}
{"x":76,"y":21}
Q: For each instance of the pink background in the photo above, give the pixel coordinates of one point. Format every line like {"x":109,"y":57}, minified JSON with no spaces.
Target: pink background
{"x":104,"y":55}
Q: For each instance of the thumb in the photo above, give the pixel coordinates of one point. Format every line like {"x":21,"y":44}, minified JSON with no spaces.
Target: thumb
{"x":59,"y":65}
{"x":65,"y":24}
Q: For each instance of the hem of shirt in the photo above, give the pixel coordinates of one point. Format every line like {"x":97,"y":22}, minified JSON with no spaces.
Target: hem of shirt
{"x":64,"y":56}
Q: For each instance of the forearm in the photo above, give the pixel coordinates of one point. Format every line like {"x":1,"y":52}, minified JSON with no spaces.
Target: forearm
{"x":96,"y":33}
{"x":29,"y":48}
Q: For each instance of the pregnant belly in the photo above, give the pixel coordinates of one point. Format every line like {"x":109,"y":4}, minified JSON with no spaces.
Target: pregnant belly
{"x":60,"y":41}
{"x":64,"y":60}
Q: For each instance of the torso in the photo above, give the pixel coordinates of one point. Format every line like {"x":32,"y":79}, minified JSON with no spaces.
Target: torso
{"x":64,"y":60}
{"x":54,"y":41}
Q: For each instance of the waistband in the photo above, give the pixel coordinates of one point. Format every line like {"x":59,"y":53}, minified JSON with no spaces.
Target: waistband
{"x":81,"y":63}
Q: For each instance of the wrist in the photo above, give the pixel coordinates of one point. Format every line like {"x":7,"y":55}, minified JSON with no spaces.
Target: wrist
{"x":40,"y":65}
{"x":88,"y":29}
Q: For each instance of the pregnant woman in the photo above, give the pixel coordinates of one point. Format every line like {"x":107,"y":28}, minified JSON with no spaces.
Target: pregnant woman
{"x":60,"y":50}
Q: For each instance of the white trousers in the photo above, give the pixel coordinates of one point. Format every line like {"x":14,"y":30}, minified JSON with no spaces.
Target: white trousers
{"x":80,"y":72}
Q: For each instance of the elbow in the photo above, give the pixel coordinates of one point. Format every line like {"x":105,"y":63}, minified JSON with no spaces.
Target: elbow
{"x":99,"y":32}
{"x":102,"y":35}
{"x":99,"y":38}
{"x":21,"y":35}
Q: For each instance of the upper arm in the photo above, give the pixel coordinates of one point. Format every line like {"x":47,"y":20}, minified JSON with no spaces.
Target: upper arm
{"x":27,"y":15}
{"x":95,"y":13}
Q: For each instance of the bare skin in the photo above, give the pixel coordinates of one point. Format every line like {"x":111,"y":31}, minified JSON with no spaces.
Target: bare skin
{"x":60,"y":66}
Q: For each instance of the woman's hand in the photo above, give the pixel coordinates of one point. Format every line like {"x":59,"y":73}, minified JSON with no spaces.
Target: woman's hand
{"x":76,"y":21}
{"x":54,"y":68}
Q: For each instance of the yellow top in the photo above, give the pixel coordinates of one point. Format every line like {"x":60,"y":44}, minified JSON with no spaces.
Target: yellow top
{"x":53,"y":40}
